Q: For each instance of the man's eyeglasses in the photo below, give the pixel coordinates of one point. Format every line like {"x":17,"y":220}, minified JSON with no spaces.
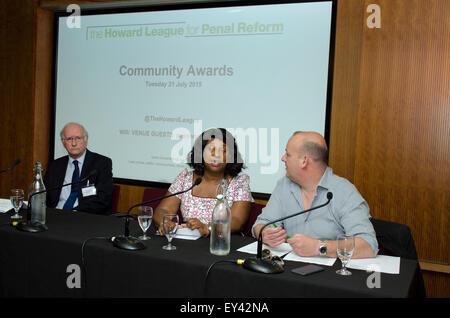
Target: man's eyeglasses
{"x":70,"y":139}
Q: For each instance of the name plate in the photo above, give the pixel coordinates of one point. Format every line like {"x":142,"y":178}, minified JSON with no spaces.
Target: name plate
{"x":89,"y":190}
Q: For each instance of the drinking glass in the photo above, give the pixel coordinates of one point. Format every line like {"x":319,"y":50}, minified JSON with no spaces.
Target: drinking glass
{"x":170,"y":227}
{"x":145,"y":215}
{"x":16,"y":201}
{"x":345,"y":248}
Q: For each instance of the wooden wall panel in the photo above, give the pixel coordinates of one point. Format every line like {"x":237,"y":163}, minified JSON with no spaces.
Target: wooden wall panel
{"x":390,"y":122}
{"x":129,"y":195}
{"x":42,"y":91}
{"x":16,"y":92}
{"x":402,"y":148}
{"x":344,"y":115}
{"x":437,"y":284}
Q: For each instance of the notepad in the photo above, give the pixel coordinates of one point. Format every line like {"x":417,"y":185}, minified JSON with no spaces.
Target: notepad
{"x":381,"y":263}
{"x":187,"y":234}
{"x":320,"y":260}
{"x":279,"y":250}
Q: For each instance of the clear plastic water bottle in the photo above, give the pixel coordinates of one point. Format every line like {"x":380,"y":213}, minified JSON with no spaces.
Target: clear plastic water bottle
{"x":38,"y":204}
{"x":220,"y":224}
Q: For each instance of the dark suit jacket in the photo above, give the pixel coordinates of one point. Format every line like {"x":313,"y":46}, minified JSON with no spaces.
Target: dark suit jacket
{"x":99,"y":203}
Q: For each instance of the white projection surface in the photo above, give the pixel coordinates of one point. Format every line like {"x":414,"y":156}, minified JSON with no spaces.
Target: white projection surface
{"x":145,"y":84}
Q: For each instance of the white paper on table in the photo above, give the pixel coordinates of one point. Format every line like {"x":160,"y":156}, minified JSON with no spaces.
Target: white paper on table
{"x":284,"y":248}
{"x":187,"y":234}
{"x":5,"y":205}
{"x":279,"y":250}
{"x":327,"y":261}
{"x":381,"y":263}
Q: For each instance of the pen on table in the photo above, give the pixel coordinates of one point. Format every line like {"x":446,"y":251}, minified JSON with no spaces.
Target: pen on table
{"x":274,"y":225}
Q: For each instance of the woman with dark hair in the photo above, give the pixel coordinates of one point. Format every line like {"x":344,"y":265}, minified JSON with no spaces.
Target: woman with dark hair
{"x":213,"y":157}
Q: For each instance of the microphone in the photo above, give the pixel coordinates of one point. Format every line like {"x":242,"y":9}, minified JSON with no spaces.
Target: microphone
{"x":128,"y":242}
{"x":262,"y":266}
{"x":28,"y":226}
{"x":13,"y":165}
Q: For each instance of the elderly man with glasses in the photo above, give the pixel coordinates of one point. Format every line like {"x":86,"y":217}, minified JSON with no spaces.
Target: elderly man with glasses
{"x":92,"y":195}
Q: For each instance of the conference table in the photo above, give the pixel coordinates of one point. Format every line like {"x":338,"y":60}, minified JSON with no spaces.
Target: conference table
{"x":46,"y":264}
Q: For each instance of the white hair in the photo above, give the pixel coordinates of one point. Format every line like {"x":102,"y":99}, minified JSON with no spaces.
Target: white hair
{"x":85,"y":133}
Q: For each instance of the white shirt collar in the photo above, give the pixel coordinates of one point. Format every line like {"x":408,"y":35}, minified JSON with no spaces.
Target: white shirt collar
{"x":80,"y":160}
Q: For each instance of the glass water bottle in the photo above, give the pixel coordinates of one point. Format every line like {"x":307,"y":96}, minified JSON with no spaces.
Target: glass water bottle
{"x":220,"y":224}
{"x":38,"y":203}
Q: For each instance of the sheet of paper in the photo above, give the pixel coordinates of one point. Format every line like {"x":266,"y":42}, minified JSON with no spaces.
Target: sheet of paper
{"x":284,"y":248}
{"x":5,"y":205}
{"x":187,"y":234}
{"x":279,"y":250}
{"x":327,"y":261}
{"x":381,"y":263}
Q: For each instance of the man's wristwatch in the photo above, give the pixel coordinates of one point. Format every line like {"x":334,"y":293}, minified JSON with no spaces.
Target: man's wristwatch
{"x":322,"y":248}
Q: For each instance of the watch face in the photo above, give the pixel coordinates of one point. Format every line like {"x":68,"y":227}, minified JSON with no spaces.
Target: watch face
{"x":323,"y":248}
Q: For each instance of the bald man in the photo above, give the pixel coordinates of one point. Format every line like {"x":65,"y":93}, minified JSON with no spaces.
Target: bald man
{"x":95,"y":198}
{"x":306,"y":184}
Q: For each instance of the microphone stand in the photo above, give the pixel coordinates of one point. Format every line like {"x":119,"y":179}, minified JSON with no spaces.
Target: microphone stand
{"x":36,"y":227}
{"x":262,"y":266}
{"x":127,"y":242}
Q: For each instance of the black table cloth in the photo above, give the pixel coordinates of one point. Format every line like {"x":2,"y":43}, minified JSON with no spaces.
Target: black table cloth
{"x":36,"y":265}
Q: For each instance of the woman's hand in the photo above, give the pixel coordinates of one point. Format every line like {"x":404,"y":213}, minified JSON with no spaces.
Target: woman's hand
{"x":197,"y":224}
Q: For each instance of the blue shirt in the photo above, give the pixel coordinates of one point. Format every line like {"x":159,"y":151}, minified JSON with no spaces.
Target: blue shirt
{"x":65,"y":191}
{"x":347,"y":213}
